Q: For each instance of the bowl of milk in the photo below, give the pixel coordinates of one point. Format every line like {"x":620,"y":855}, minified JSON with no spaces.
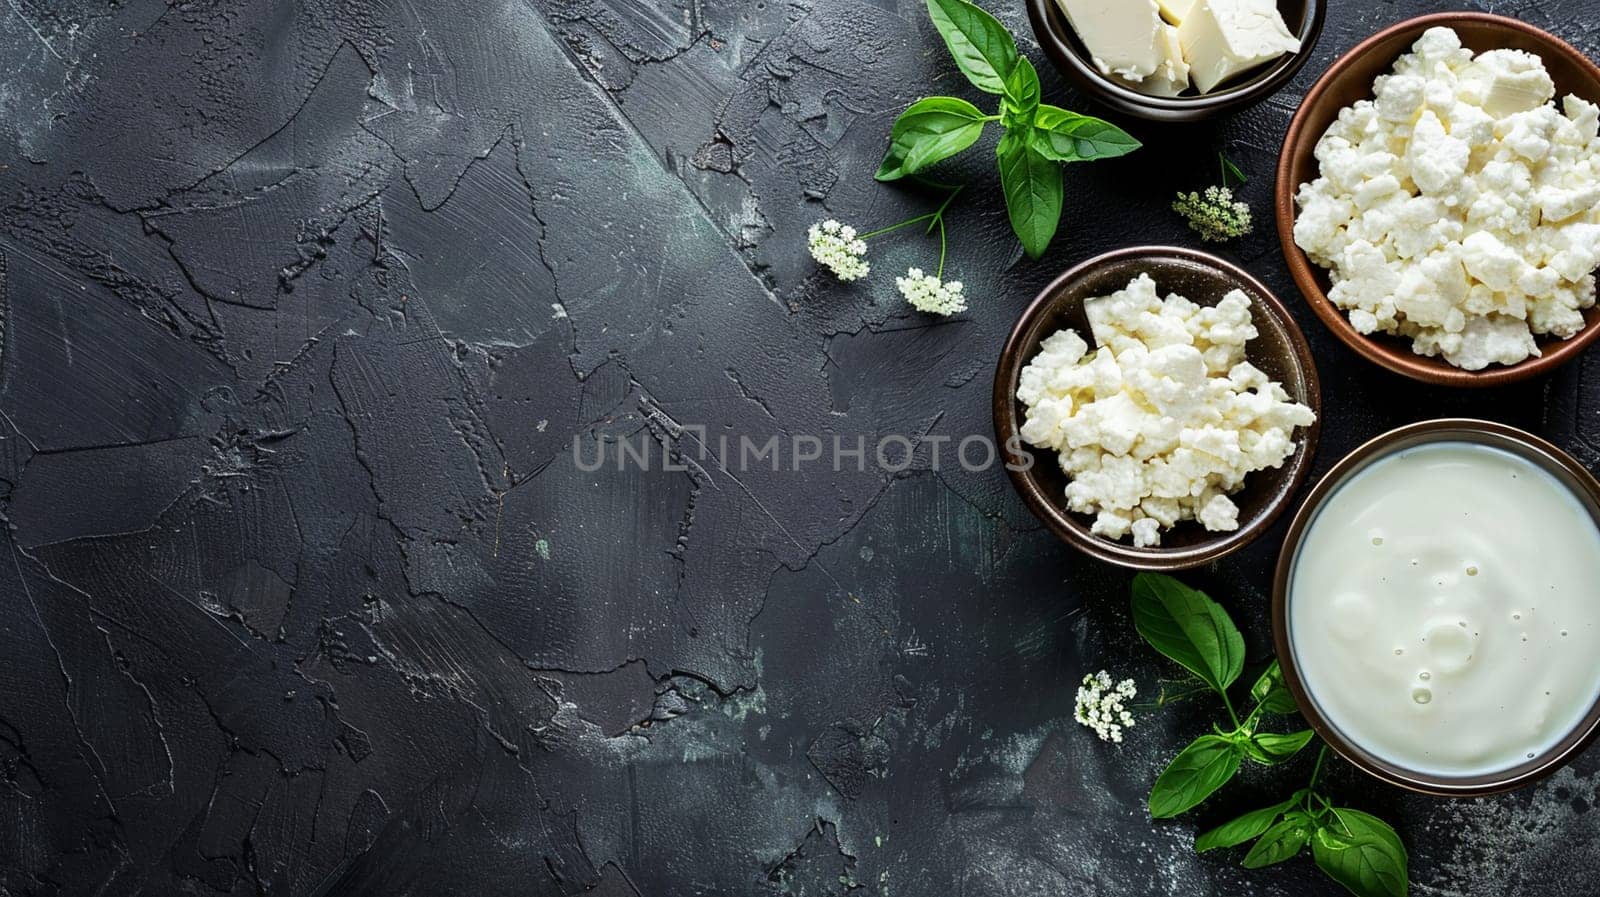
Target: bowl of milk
{"x":1436,"y":608}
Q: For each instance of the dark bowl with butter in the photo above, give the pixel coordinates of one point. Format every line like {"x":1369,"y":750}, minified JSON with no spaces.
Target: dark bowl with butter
{"x":1066,"y":50}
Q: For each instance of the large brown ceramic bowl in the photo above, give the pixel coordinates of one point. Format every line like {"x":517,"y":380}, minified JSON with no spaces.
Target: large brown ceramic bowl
{"x":1560,"y":465}
{"x":1350,"y":79}
{"x":1061,"y":44}
{"x":1280,"y":350}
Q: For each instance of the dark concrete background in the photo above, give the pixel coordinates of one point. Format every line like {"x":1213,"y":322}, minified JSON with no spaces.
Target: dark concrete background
{"x":303,"y":592}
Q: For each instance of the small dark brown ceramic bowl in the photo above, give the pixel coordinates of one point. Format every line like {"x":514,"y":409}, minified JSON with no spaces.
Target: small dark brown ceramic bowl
{"x":1525,"y":445}
{"x":1280,"y":350}
{"x":1066,"y":51}
{"x":1350,"y":79}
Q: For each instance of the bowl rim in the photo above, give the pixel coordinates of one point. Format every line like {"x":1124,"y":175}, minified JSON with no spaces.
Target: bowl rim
{"x":1043,"y":15}
{"x":1007,"y":416}
{"x":1297,"y":142}
{"x":1447,"y":429}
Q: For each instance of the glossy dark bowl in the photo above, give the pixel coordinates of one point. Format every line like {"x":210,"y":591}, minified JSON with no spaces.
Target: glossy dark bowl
{"x":1350,"y":79}
{"x":1061,"y":44}
{"x":1280,"y":350}
{"x":1525,"y":445}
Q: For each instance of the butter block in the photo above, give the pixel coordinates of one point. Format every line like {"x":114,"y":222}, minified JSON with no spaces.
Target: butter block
{"x":1175,"y":11}
{"x":1122,"y":36}
{"x":1174,"y":68}
{"x":1171,"y":77}
{"x":1222,"y":39}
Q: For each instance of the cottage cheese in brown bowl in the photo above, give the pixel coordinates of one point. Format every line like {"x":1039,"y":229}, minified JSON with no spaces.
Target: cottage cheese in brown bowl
{"x":1459,"y":207}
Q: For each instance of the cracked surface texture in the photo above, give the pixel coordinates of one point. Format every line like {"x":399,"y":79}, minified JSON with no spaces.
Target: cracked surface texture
{"x":303,"y":307}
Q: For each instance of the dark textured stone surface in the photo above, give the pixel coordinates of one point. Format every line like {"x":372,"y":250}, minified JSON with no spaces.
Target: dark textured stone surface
{"x":303,"y":592}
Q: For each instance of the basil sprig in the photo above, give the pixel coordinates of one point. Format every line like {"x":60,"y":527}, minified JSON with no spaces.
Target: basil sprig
{"x":1353,"y":848}
{"x":1038,"y":136}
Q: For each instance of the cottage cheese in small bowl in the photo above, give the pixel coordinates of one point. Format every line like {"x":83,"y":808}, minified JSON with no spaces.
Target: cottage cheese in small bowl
{"x":1459,"y":208}
{"x":1164,"y":420}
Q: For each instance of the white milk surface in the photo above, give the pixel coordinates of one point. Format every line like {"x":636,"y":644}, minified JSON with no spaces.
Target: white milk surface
{"x":1443,"y":609}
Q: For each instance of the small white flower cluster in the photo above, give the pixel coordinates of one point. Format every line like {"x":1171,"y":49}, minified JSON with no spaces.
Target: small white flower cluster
{"x":1101,"y":708}
{"x":836,"y":247}
{"x":928,"y":293}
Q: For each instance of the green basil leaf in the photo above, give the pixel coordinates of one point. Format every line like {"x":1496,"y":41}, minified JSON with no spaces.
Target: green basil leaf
{"x":1071,"y":137}
{"x":1280,"y":842}
{"x":1199,"y":769}
{"x":1333,"y":840}
{"x":931,"y":129}
{"x":1356,"y":824}
{"x":1362,"y":853}
{"x":1033,"y":191}
{"x":1271,"y":748}
{"x":1188,"y":627}
{"x":1022,"y":96}
{"x":982,"y":47}
{"x":1272,"y":693}
{"x":1242,"y":829}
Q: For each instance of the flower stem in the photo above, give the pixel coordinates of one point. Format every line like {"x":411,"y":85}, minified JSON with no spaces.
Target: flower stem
{"x":938,"y":219}
{"x":944,"y":205}
{"x":934,"y":218}
{"x":938,"y":214}
{"x":894,"y":227}
{"x":1162,"y":698}
{"x":1228,"y":166}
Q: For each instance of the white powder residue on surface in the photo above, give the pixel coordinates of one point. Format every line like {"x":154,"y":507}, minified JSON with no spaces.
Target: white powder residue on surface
{"x":1541,"y":842}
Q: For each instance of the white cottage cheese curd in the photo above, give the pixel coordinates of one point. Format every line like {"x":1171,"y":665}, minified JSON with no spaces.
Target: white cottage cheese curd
{"x":1164,"y":419}
{"x":1458,"y":208}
